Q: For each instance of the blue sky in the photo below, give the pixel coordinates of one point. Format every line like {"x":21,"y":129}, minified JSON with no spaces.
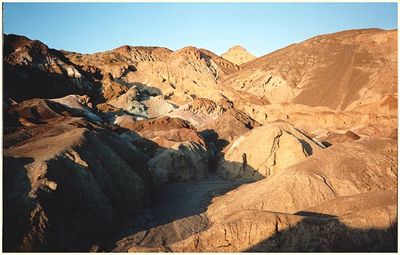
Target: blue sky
{"x":259,"y":27}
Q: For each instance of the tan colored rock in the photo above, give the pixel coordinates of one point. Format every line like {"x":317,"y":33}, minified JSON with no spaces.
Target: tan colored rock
{"x":157,"y":106}
{"x":238,"y":55}
{"x":110,"y":89}
{"x":354,"y":204}
{"x":148,"y":127}
{"x":40,"y":111}
{"x":180,"y":153}
{"x":358,"y":167}
{"x":339,"y":204}
{"x":369,"y":229}
{"x":200,"y":110}
{"x":68,"y":180}
{"x":335,"y":138}
{"x":227,"y":127}
{"x":129,"y":102}
{"x":78,"y":103}
{"x":311,"y":119}
{"x":265,"y":151}
{"x":219,"y":122}
{"x":182,"y":161}
{"x":332,"y":70}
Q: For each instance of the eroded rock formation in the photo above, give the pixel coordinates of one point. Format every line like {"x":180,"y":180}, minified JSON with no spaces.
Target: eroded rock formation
{"x":148,"y":149}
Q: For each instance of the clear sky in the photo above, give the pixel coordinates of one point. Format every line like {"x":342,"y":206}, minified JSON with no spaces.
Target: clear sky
{"x":259,"y":27}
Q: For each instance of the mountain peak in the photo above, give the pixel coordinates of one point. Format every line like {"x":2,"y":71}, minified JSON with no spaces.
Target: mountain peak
{"x":238,"y":47}
{"x":238,"y":55}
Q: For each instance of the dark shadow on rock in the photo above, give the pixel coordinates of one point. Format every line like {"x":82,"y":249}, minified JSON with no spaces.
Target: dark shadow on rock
{"x":85,"y":208}
{"x":17,"y":204}
{"x":42,"y":111}
{"x":22,"y":83}
{"x":70,"y":206}
{"x":307,"y":147}
{"x":321,"y":233}
{"x":146,"y":91}
{"x":181,"y":204}
{"x":147,"y":146}
{"x":315,"y":214}
{"x":326,"y":144}
{"x":212,"y":137}
{"x":178,"y":203}
{"x":243,"y":171}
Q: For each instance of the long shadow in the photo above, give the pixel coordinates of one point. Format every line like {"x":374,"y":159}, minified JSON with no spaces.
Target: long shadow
{"x":172,"y":203}
{"x":212,"y":138}
{"x":22,"y":83}
{"x":169,"y":203}
{"x":16,"y":188}
{"x":317,"y":232}
{"x":315,"y":214}
{"x":146,"y":90}
{"x":78,"y":210}
{"x":177,"y":203}
{"x":231,"y":169}
{"x":326,"y":233}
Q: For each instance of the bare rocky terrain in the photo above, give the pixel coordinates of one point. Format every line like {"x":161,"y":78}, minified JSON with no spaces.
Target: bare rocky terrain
{"x":145,"y":149}
{"x":238,"y":55}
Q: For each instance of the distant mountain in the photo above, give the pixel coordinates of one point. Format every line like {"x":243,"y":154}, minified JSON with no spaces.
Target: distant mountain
{"x":135,"y":148}
{"x":238,"y":55}
{"x":339,"y":70}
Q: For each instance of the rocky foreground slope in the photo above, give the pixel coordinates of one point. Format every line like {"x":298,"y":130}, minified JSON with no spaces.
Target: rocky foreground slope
{"x":148,"y":149}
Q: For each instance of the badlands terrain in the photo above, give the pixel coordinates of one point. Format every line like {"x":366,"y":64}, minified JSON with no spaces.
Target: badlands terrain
{"x":145,"y":149}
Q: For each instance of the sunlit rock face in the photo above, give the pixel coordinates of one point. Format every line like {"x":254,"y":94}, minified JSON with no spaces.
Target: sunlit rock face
{"x":238,"y":55}
{"x":145,"y":149}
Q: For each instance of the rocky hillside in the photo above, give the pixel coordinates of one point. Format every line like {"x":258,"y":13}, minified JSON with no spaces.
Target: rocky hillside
{"x":68,"y":178}
{"x":32,"y":70}
{"x":340,"y":70}
{"x":146,"y":149}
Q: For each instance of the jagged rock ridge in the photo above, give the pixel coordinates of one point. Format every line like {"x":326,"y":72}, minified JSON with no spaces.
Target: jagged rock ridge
{"x":148,"y":149}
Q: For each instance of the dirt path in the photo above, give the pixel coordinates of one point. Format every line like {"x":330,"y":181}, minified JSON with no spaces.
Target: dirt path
{"x":178,"y":212}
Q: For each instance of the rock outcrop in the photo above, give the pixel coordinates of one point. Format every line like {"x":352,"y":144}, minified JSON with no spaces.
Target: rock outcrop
{"x":327,"y":202}
{"x":66,"y":180}
{"x":148,"y":149}
{"x":227,"y":127}
{"x":361,"y":166}
{"x":265,"y":151}
{"x":32,"y":70}
{"x":181,"y":154}
{"x":260,"y":231}
{"x":129,"y":102}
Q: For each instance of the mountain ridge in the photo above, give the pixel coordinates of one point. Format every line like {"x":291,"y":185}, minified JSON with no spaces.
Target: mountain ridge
{"x":148,"y":149}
